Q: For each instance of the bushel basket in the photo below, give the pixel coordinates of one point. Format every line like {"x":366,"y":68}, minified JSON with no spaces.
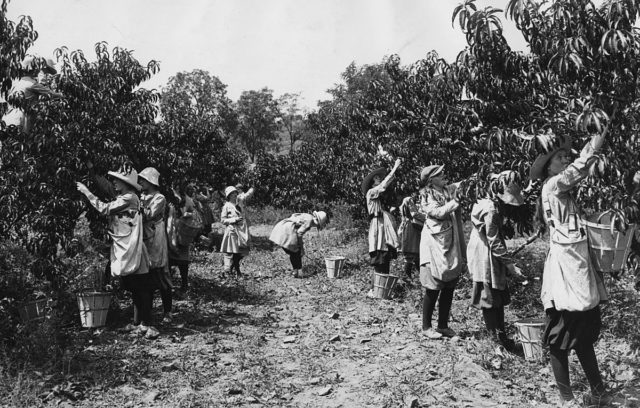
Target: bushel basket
{"x":334,"y":266}
{"x":530,"y":335}
{"x":93,"y":308}
{"x":608,"y":249}
{"x":383,"y":284}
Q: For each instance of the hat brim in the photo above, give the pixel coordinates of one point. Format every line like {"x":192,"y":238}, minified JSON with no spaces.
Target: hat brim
{"x":124,"y":180}
{"x":537,"y":168}
{"x":151,"y":182}
{"x":321,"y":223}
{"x":366,"y":183}
{"x":435,"y":173}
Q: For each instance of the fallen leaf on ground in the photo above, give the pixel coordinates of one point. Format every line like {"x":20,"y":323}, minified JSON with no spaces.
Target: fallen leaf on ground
{"x":324,"y":391}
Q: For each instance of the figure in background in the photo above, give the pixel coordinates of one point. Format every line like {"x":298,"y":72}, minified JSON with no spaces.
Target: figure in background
{"x":154,"y":206}
{"x":288,"y":234}
{"x":235,"y":241}
{"x":572,"y":290}
{"x":26,"y":91}
{"x":129,"y":257}
{"x":489,"y":260}
{"x":180,"y":243}
{"x":409,"y":233}
{"x":383,"y":239}
{"x":442,"y":248}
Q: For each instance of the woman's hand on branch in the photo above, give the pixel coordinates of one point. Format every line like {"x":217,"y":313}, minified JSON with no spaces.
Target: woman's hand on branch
{"x":82,"y":188}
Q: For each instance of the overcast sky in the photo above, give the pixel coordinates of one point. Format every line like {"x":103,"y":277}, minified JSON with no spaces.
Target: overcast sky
{"x":286,"y":45}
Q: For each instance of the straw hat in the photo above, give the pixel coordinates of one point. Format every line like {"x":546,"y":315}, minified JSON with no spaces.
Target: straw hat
{"x":430,"y":172}
{"x":537,"y":168}
{"x":508,"y":189}
{"x":366,"y":183}
{"x":229,"y":190}
{"x":151,"y":175}
{"x":321,"y":218}
{"x":131,"y":178}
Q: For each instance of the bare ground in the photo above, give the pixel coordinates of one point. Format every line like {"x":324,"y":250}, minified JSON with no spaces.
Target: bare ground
{"x":271,"y":340}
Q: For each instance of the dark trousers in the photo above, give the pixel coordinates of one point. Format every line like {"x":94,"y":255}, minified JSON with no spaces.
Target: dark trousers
{"x":560,"y":365}
{"x":183,"y":267}
{"x":142,"y":305}
{"x":429,"y":305}
{"x":163,"y":283}
{"x":141,"y":288}
{"x":295,"y":258}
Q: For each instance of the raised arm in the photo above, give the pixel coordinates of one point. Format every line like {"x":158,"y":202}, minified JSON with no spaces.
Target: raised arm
{"x":117,"y":205}
{"x":387,"y":180}
{"x":579,"y":169}
{"x":432,"y":209}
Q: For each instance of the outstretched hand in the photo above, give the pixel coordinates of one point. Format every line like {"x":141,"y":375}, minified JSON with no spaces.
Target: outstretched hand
{"x":82,"y":188}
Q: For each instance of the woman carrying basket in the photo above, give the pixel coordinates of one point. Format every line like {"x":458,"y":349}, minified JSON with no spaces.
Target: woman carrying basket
{"x":383,"y":239}
{"x":487,"y":256}
{"x":129,"y":257}
{"x":288,"y":234}
{"x":571,"y":289}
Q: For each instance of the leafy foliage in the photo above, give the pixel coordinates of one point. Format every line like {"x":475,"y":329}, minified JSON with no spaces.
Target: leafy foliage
{"x":258,"y":112}
{"x":198,"y":121}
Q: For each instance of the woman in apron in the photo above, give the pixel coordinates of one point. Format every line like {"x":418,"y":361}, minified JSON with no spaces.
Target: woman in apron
{"x":487,"y":256}
{"x":571,"y":289}
{"x":383,"y":239}
{"x":288,"y":234}
{"x":235,"y":241}
{"x":442,"y":248}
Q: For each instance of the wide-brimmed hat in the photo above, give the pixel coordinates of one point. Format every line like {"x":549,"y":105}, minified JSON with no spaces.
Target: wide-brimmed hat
{"x":32,"y":62}
{"x":229,"y":190}
{"x":151,"y":175}
{"x":537,"y":168}
{"x":430,"y":172}
{"x":130,"y":178}
{"x":508,"y":189}
{"x":366,"y":183}
{"x":321,"y":218}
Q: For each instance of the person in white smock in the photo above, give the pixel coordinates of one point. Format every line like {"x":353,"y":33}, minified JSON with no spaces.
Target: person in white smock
{"x":236,"y":238}
{"x":129,"y":256}
{"x":154,"y":206}
{"x":289,"y":232}
{"x":442,"y":248}
{"x":383,"y":238}
{"x":571,"y":288}
{"x":488,"y":259}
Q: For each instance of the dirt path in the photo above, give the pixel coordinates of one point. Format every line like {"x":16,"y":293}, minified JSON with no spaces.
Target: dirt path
{"x":270,"y":340}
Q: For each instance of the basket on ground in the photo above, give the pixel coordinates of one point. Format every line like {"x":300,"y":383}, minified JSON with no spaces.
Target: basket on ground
{"x":34,"y":310}
{"x":530,"y":335}
{"x":383,"y":284}
{"x":608,"y":247}
{"x":334,"y":266}
{"x":93,"y":308}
